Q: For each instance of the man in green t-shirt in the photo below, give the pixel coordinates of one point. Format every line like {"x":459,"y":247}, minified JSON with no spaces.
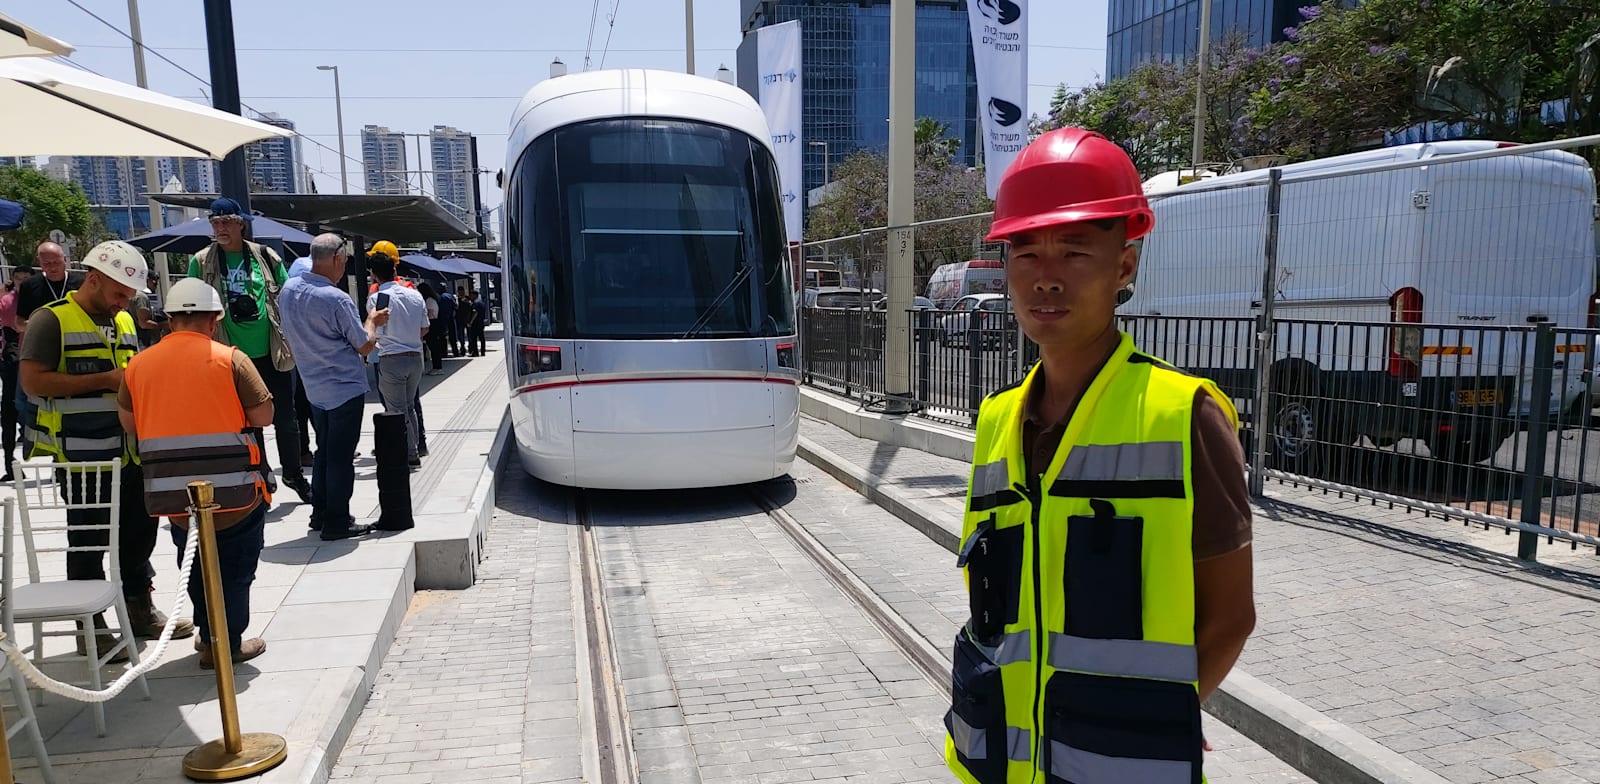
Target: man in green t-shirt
{"x":248,"y":277}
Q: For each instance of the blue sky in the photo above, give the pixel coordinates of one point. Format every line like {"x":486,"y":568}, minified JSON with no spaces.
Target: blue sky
{"x":411,"y":65}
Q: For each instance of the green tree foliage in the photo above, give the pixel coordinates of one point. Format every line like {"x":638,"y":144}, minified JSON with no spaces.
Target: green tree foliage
{"x":860,"y":202}
{"x":1347,"y":75}
{"x":50,"y":205}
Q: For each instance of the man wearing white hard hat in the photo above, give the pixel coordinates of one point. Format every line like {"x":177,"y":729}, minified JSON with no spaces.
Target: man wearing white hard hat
{"x":72,"y":362}
{"x":195,"y":406}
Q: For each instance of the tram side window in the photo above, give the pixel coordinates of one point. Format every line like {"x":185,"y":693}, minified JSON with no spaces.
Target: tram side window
{"x":532,"y":237}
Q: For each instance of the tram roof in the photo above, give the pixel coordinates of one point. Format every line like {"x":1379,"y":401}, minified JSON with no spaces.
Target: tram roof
{"x":632,"y":92}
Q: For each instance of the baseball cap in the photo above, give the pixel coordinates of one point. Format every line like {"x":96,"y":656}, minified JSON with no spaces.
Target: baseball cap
{"x":226,"y":206}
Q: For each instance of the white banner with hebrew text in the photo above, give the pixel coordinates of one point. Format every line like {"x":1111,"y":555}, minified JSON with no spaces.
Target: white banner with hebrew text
{"x":1000,"y":52}
{"x":778,"y":57}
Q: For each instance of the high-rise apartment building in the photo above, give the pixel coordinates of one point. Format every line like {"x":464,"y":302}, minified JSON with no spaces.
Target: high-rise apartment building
{"x":452,"y":171}
{"x":274,"y":164}
{"x":107,"y":180}
{"x":1139,"y":32}
{"x":24,"y":162}
{"x":383,"y":157}
{"x":845,"y":60}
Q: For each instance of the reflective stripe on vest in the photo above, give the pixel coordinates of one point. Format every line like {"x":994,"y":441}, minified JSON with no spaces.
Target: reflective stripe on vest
{"x":1161,"y":661}
{"x":1148,"y":470}
{"x":1077,"y":765}
{"x":85,"y":427}
{"x":973,"y":742}
{"x":1096,"y":562}
{"x":191,"y":424}
{"x":991,"y":486}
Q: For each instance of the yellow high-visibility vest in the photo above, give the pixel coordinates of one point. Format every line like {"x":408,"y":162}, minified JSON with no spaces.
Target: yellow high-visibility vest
{"x":85,"y":427}
{"x":1078,"y":663}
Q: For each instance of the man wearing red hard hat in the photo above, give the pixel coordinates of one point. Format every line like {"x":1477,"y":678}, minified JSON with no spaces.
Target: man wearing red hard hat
{"x":1106,"y":542}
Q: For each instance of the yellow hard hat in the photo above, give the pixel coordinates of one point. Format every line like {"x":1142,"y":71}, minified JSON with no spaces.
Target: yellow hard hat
{"x":384,"y":248}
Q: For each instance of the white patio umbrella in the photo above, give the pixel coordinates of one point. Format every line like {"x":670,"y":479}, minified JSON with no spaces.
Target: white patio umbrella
{"x":19,"y":40}
{"x":54,"y":109}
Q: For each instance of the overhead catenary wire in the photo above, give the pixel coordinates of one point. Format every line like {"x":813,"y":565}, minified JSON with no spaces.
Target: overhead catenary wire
{"x":594,"y":16}
{"x":207,"y":83}
{"x":611,"y":27}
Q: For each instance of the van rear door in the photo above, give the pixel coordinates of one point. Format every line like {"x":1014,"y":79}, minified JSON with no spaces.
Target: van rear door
{"x":1507,"y":243}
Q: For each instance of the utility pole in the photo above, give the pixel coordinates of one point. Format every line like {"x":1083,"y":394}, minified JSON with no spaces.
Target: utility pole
{"x":152,"y":177}
{"x":1199,"y":151}
{"x":338,"y":109}
{"x":900,"y":255}
{"x":235,"y":179}
{"x":477,"y":195}
{"x":688,"y":32}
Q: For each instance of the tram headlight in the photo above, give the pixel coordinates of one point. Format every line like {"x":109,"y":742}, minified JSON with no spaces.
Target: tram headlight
{"x":538,"y":359}
{"x":786,"y":356}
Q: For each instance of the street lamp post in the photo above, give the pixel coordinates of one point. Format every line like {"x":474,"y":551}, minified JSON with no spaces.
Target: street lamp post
{"x":688,"y":33}
{"x":1199,"y":150}
{"x":824,"y":146}
{"x":338,"y":108}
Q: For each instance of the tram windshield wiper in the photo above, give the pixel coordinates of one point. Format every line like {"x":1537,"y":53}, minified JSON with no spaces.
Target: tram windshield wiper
{"x":705,"y":318}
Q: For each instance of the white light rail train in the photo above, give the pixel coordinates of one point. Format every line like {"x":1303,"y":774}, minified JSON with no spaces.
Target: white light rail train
{"x":650,"y":325}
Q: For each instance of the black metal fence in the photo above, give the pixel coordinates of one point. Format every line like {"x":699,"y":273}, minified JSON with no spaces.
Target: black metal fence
{"x":1452,"y":423}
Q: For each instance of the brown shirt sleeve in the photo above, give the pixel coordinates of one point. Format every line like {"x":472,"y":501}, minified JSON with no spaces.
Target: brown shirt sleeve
{"x":247,"y":382}
{"x":1221,"y":499}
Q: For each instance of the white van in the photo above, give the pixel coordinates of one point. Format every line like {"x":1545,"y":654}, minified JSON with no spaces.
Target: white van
{"x":951,"y":282}
{"x":1480,"y":246}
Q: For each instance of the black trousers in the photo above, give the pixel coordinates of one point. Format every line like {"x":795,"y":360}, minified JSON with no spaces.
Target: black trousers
{"x":285,"y":421}
{"x":8,"y":409}
{"x":476,"y":340}
{"x":458,"y":338}
{"x":136,"y":529}
{"x":302,"y":414}
{"x":437,"y":337}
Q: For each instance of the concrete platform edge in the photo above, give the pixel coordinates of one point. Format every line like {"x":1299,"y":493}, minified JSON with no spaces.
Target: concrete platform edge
{"x":450,"y":561}
{"x":1326,"y":750}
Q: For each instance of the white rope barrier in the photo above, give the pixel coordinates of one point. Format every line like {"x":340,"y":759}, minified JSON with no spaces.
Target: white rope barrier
{"x":43,"y":681}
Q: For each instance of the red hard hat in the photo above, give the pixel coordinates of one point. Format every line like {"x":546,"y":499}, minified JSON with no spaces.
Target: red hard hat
{"x":1066,"y":176}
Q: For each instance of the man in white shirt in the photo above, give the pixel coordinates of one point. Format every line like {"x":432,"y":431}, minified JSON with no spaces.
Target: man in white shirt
{"x":399,"y":346}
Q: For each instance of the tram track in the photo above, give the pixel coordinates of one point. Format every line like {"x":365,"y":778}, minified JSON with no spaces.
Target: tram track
{"x":602,"y":704}
{"x":601,"y":696}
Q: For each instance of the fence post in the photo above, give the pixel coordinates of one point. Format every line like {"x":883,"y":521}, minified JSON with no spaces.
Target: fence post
{"x":974,"y":363}
{"x":1544,"y":356}
{"x":1266,"y":331}
{"x":919,"y":319}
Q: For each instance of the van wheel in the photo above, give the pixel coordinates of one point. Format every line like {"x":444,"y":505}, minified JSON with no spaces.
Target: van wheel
{"x":1299,"y":429}
{"x":1465,"y":452}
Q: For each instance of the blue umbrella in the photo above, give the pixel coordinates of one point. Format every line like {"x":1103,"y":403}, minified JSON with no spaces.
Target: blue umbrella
{"x":192,"y":236}
{"x":443,"y":267}
{"x":468,"y":266}
{"x":10,"y":215}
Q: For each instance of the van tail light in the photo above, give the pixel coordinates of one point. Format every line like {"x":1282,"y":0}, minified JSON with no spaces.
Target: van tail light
{"x":1405,"y":343}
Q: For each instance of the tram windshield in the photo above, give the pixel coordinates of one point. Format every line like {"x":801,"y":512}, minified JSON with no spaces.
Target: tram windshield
{"x":647,"y":228}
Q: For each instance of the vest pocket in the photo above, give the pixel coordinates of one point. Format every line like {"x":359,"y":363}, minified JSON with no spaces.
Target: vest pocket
{"x":1108,"y":729}
{"x":976,"y":720}
{"x":993,"y":559}
{"x":1104,"y":575}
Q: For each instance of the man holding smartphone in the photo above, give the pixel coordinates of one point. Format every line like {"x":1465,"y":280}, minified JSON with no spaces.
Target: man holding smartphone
{"x":399,"y":346}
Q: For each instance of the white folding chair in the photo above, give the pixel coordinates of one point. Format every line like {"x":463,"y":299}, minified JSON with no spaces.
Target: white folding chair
{"x":40,"y":489}
{"x":9,"y":676}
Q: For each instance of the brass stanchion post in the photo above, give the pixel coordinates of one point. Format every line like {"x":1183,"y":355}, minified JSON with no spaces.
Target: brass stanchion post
{"x":235,"y":755}
{"x":5,"y":745}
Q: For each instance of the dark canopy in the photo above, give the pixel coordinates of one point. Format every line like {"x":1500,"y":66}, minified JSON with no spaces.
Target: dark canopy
{"x":402,"y":218}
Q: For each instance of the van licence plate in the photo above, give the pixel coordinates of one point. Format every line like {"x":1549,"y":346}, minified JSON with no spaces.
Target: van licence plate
{"x":1477,"y":397}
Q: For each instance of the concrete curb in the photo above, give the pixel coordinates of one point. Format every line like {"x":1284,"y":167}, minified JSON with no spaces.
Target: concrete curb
{"x":1321,"y":748}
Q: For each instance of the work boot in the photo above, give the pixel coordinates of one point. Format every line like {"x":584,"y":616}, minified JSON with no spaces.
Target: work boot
{"x":247,"y":650}
{"x":102,"y":642}
{"x":147,"y":622}
{"x":300,"y":486}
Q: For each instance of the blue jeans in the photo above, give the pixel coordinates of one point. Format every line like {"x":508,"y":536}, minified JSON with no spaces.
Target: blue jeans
{"x":333,"y":471}
{"x":238,"y":552}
